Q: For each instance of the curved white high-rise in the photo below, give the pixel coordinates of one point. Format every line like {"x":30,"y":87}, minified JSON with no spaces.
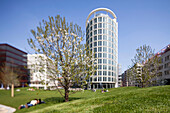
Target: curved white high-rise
{"x":102,"y":39}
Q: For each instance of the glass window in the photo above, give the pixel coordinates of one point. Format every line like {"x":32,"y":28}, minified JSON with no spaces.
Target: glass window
{"x":109,"y":73}
{"x":95,"y":38}
{"x":105,"y":67}
{"x":99,"y":31}
{"x":100,"y":49}
{"x":105,"y":73}
{"x":91,"y":34}
{"x":104,"y":25}
{"x":110,"y":56}
{"x":95,"y":26}
{"x":110,"y":50}
{"x":104,"y":78}
{"x":100,"y":43}
{"x":95,"y":49}
{"x":95,"y":32}
{"x":90,"y":45}
{"x":99,"y":78}
{"x":110,"y":68}
{"x":104,"y":37}
{"x":112,"y":74}
{"x":99,"y":55}
{"x":95,"y":79}
{"x":95,"y":20}
{"x":109,"y":79}
{"x":100,"y":19}
{"x":99,"y":66}
{"x":95,"y":55}
{"x":104,"y":31}
{"x":99,"y":61}
{"x":99,"y":37}
{"x":91,"y":22}
{"x":91,"y":28}
{"x":110,"y":62}
{"x":104,"y":55}
{"x":95,"y":44}
{"x":109,"y":21}
{"x":104,"y":49}
{"x":110,"y":39}
{"x":104,"y":19}
{"x":104,"y":61}
{"x":99,"y":72}
{"x":104,"y":43}
{"x":99,"y":25}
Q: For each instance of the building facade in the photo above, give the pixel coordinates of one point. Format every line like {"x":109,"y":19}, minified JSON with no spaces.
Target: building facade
{"x":15,"y":59}
{"x":39,"y":72}
{"x":102,"y":39}
{"x":164,"y":69}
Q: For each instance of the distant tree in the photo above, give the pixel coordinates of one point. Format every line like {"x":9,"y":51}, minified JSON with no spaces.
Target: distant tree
{"x":9,"y":77}
{"x":149,"y":62}
{"x":69,"y":61}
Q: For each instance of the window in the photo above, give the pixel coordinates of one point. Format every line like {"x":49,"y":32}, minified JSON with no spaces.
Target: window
{"x":95,"y":44}
{"x":95,"y":32}
{"x":90,"y":45}
{"x":109,"y":79}
{"x":95,"y":79}
{"x":104,"y":78}
{"x":100,"y":19}
{"x":100,"y":43}
{"x":99,"y":31}
{"x":99,"y":72}
{"x":95,"y":38}
{"x":95,"y":55}
{"x":104,"y":37}
{"x":110,"y":68}
{"x":110,"y":50}
{"x":104,"y":25}
{"x":109,"y":73}
{"x":91,"y":22}
{"x":104,"y":49}
{"x":104,"y":31}
{"x":110,"y":56}
{"x":99,"y":67}
{"x":99,"y":25}
{"x":95,"y":49}
{"x":100,"y":49}
{"x":104,"y":43}
{"x":105,"y":67}
{"x":99,"y":61}
{"x":95,"y":20}
{"x":109,"y":21}
{"x":104,"y":61}
{"x":110,"y":62}
{"x":91,"y":34}
{"x":99,"y":78}
{"x":95,"y":26}
{"x":104,"y":19}
{"x":105,"y":73}
{"x":104,"y":55}
{"x":99,"y":55}
{"x":100,"y":37}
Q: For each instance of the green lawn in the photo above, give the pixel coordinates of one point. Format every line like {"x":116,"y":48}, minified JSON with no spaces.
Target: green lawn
{"x":125,"y":99}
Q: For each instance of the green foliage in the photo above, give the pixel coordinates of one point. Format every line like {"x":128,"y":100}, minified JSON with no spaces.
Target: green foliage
{"x":67,"y":56}
{"x":149,"y":64}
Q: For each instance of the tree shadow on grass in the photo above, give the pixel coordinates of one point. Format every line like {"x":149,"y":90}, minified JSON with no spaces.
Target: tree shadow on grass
{"x":55,"y":100}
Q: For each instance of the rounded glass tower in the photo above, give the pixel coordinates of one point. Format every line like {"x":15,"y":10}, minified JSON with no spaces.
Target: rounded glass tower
{"x":102,"y":39}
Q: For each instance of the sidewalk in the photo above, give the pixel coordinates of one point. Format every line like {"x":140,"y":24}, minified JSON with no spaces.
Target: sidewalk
{"x":6,"y":109}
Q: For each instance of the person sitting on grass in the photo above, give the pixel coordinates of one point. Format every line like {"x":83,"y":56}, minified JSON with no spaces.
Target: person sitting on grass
{"x":31,"y":103}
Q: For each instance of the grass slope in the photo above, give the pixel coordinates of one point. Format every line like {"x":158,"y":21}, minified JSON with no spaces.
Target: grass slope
{"x":125,"y":99}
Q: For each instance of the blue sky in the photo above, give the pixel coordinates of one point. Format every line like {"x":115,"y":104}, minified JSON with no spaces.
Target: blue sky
{"x":140,"y":21}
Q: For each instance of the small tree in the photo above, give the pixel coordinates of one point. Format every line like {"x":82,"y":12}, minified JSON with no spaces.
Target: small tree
{"x":149,"y":62}
{"x":9,"y":77}
{"x":69,"y":61}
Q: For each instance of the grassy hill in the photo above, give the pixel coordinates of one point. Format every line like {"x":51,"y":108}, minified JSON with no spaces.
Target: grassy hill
{"x":125,"y":99}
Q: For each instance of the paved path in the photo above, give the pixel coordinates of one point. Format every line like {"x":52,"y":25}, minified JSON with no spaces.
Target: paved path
{"x":6,"y":109}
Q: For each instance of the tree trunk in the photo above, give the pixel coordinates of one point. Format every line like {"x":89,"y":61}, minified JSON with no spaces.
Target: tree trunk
{"x":12,"y":90}
{"x":66,"y":94}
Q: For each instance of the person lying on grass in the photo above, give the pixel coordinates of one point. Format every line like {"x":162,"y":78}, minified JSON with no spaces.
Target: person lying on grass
{"x":31,"y":103}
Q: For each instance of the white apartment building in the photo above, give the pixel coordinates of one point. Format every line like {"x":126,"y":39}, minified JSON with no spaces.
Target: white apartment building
{"x":102,"y":39}
{"x":39,"y":72}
